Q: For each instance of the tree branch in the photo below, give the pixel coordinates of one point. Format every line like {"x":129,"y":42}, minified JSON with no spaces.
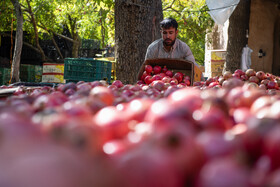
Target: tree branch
{"x":23,"y":8}
{"x":65,"y":37}
{"x":35,"y":31}
{"x":57,"y":34}
{"x":178,"y":12}
{"x":170,"y":6}
{"x":57,"y":48}
{"x":54,"y":43}
{"x":180,"y":4}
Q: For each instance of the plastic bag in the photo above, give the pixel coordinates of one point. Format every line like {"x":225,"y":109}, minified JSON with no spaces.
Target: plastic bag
{"x":246,"y":58}
{"x":221,"y":10}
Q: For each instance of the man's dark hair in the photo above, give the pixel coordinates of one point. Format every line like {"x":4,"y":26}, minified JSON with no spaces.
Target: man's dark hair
{"x":169,"y":22}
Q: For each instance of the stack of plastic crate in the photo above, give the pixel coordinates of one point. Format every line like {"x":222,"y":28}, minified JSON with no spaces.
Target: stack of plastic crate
{"x":86,"y":69}
{"x":27,"y":73}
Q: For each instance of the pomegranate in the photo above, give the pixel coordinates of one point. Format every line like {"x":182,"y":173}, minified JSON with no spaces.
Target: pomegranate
{"x":272,"y":85}
{"x":232,"y":82}
{"x":187,"y":97}
{"x":156,"y":77}
{"x":143,"y":167}
{"x":227,"y":75}
{"x":178,"y":76}
{"x":209,"y":80}
{"x":254,"y":79}
{"x":164,"y":69}
{"x":102,"y":93}
{"x":236,"y":75}
{"x":162,"y":75}
{"x":213,"y":84}
{"x":162,"y":113}
{"x":157,"y":69}
{"x":159,"y":85}
{"x":178,"y":143}
{"x":223,"y":172}
{"x":148,"y":79}
{"x":250,"y":72}
{"x":273,"y":179}
{"x":169,"y":73}
{"x":174,"y":81}
{"x":117,"y":83}
{"x":166,"y":79}
{"x":169,"y":90}
{"x":244,"y":77}
{"x":144,"y":75}
{"x":212,"y":119}
{"x":148,"y":69}
{"x":239,"y":71}
{"x":95,"y":83}
{"x":271,"y":146}
{"x":260,"y":75}
{"x":69,"y":85}
{"x":111,"y":123}
{"x":215,"y":144}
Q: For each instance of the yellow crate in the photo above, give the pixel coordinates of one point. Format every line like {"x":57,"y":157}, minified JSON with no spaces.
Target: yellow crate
{"x":217,"y":66}
{"x":218,"y":55}
{"x":53,"y":78}
{"x":53,"y":68}
{"x":215,"y":74}
{"x":38,"y":78}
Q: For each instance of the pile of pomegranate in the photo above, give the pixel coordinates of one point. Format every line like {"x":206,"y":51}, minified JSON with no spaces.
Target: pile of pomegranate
{"x":158,"y":74}
{"x":256,"y":79}
{"x":222,"y":132}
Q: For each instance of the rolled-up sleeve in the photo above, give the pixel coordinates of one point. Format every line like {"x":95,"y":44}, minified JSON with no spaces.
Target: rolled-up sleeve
{"x":153,"y":50}
{"x":149,"y":53}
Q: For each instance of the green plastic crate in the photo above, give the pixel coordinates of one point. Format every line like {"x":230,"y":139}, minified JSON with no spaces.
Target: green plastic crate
{"x":38,"y":73}
{"x":5,"y":75}
{"x":38,"y":70}
{"x":27,"y":73}
{"x":87,"y":69}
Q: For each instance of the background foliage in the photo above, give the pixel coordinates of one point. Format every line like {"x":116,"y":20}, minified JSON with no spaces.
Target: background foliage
{"x":194,"y":22}
{"x":94,"y":19}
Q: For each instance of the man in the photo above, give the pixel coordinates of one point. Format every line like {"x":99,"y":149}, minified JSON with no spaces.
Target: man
{"x":169,"y":46}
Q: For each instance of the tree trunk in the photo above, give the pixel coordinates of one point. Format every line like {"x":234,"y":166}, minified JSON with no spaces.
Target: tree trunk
{"x":216,"y":38}
{"x":102,"y":29}
{"x":18,"y":43}
{"x":76,"y":45}
{"x":238,"y":24}
{"x":75,"y":36}
{"x":136,"y":26}
{"x":33,"y":21}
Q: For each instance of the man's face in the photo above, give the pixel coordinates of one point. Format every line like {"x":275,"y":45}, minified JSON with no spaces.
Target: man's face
{"x":169,"y":35}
